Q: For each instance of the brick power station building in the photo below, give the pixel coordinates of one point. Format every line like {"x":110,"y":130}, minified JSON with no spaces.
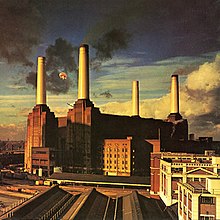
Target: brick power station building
{"x":76,"y":141}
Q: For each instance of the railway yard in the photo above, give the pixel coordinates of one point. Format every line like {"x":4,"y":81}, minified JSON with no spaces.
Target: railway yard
{"x":14,"y":192}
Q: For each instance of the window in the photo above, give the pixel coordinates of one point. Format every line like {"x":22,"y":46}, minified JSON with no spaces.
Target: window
{"x":189,"y":179}
{"x":184,"y":209}
{"x":177,"y":179}
{"x":35,"y":161}
{"x":207,"y":217}
{"x":190,"y":197}
{"x":206,"y":200}
{"x":39,"y":152}
{"x":43,"y":161}
{"x":203,"y":180}
{"x":176,"y":170}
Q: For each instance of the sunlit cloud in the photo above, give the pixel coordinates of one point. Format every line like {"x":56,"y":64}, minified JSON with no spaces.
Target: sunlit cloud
{"x":199,"y":101}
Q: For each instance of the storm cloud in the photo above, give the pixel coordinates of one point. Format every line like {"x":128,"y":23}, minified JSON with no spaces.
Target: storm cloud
{"x":199,"y":101}
{"x":114,"y":40}
{"x":20,"y":23}
{"x":59,"y":58}
{"x":164,"y":29}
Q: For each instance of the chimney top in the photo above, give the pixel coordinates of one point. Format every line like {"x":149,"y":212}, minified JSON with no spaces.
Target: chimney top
{"x":174,"y":75}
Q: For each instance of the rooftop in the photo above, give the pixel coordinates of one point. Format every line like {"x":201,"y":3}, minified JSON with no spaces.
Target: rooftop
{"x":59,"y":204}
{"x":196,"y":187}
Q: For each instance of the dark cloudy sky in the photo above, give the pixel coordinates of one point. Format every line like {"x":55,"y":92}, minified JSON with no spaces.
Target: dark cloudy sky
{"x":145,"y":40}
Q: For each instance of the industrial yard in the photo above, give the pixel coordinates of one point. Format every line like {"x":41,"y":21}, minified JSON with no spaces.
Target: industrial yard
{"x":23,"y":198}
{"x":13,"y":192}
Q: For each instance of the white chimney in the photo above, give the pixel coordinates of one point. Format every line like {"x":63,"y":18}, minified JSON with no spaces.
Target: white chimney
{"x":174,"y":94}
{"x":135,"y":98}
{"x":83,"y":80}
{"x":41,"y":82}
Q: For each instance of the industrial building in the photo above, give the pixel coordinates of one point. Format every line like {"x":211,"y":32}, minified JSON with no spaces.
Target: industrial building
{"x":42,"y":127}
{"x":76,"y":141}
{"x":168,"y":169}
{"x":117,"y":157}
{"x":126,"y":157}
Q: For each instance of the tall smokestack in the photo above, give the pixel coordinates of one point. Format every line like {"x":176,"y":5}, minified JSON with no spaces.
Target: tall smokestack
{"x":83,"y":80}
{"x":41,"y":83}
{"x":135,"y":98}
{"x":174,"y":94}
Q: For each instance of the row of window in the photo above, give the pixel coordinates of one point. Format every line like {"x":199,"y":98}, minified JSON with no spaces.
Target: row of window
{"x":39,"y":152}
{"x":116,"y":149}
{"x":36,"y":161}
{"x":190,"y":158}
{"x":191,"y":179}
{"x":110,"y":161}
{"x":193,"y":164}
{"x":115,"y":155}
{"x":206,"y":217}
{"x":207,"y":200}
{"x":114,"y":167}
{"x":176,"y":170}
{"x":116,"y":144}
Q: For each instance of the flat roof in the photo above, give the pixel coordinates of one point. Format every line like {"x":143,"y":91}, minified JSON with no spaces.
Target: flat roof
{"x":94,"y":179}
